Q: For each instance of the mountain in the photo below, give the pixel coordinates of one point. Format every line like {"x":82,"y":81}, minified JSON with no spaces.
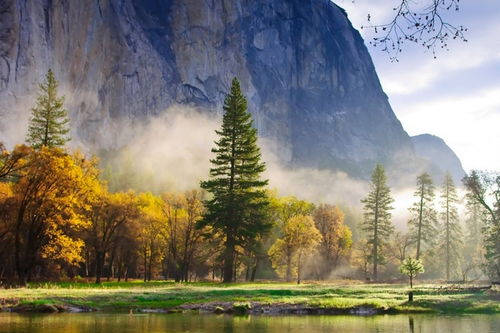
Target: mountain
{"x":310,"y":82}
{"x":440,"y":156}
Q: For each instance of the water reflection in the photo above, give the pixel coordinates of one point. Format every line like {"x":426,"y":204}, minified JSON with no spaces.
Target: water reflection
{"x":412,"y":324}
{"x":156,"y":323}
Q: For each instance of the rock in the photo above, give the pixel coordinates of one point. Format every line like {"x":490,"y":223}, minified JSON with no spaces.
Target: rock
{"x":440,"y":157}
{"x":364,"y":311}
{"x":219,"y":310}
{"x":152,"y":310}
{"x":241,"y":308}
{"x":311,"y":85}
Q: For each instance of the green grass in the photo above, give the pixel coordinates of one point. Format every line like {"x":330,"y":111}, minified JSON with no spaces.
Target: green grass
{"x":123,"y":296}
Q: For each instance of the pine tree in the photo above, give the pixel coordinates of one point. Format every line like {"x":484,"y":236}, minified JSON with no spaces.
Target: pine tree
{"x":474,"y":222}
{"x":49,"y":120}
{"x":423,"y":221}
{"x":450,"y":234}
{"x":238,"y":205}
{"x":377,"y":218}
{"x":473,"y":250}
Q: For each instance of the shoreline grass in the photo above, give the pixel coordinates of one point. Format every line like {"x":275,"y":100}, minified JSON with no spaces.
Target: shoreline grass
{"x":133,"y":296}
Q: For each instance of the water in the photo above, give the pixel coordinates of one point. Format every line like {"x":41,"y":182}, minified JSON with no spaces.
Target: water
{"x":170,"y":323}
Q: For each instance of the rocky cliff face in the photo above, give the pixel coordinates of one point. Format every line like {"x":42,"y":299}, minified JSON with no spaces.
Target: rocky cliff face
{"x":310,"y":82}
{"x":440,"y":157}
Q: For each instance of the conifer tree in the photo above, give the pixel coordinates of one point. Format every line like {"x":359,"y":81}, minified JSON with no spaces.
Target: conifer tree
{"x":48,"y":125}
{"x":377,"y":217}
{"x":238,"y":205}
{"x":474,"y":222}
{"x":473,"y":250}
{"x":450,"y":233}
{"x":423,"y":220}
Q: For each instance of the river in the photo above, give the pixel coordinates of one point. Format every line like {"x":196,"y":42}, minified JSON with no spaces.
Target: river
{"x":176,"y":323}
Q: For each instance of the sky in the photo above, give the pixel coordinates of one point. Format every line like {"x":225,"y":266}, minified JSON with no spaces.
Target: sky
{"x":457,"y":95}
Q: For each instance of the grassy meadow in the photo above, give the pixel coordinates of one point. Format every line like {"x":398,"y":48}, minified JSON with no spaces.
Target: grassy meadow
{"x":146,"y":296}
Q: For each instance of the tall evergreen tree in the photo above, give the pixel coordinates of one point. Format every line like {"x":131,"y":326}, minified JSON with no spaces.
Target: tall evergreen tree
{"x":423,"y":221}
{"x":473,"y":250}
{"x":48,"y":125}
{"x":238,"y":205}
{"x":450,"y":233}
{"x":377,"y":217}
{"x":474,"y":222}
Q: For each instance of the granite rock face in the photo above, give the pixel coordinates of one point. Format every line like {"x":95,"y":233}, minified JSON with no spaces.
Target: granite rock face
{"x":440,"y":156}
{"x":308,"y":76}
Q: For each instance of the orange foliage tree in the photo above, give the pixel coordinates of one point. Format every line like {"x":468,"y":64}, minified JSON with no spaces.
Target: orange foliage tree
{"x":45,"y":208}
{"x":150,"y":233}
{"x":336,"y":238}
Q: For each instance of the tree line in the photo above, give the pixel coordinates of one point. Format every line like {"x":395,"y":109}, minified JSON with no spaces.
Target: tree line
{"x":450,"y":247}
{"x":59,"y":220}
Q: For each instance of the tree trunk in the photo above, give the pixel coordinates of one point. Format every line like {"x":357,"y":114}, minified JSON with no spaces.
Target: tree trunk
{"x":299,"y":264}
{"x":375,"y":254}
{"x":375,"y":245}
{"x":145,"y":264}
{"x":99,"y":261}
{"x":447,"y":236}
{"x":254,"y":270}
{"x":177,"y":271}
{"x":247,"y":273}
{"x":87,"y":263}
{"x":420,"y":218}
{"x":228,"y":260}
{"x":150,"y":265}
{"x":187,"y":274}
{"x":288,"y":275}
{"x":22,"y":278}
{"x":110,"y":267}
{"x":20,"y":262}
{"x":120,"y":267}
{"x":235,"y":265}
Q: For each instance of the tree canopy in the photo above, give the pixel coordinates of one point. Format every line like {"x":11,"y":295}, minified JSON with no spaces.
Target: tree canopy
{"x":300,"y":239}
{"x":411,"y":267}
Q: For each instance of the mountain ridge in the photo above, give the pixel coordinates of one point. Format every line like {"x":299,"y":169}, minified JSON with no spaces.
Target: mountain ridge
{"x":311,"y":85}
{"x":441,"y":157}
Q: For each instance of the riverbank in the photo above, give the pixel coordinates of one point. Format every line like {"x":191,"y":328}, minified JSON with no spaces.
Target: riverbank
{"x":250,"y":298}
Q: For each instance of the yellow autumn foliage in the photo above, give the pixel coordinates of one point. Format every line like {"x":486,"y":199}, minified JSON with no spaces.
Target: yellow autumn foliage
{"x":300,"y":238}
{"x":47,"y":204}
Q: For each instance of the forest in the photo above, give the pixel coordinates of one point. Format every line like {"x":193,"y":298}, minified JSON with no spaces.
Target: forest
{"x":59,"y":221}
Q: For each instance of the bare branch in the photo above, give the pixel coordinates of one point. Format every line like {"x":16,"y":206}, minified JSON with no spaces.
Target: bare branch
{"x":421,"y":25}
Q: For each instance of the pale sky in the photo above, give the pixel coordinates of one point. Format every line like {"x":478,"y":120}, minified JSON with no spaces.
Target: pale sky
{"x":457,"y":95}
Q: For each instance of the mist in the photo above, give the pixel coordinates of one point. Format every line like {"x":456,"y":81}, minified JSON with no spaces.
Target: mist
{"x":172,"y":152}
